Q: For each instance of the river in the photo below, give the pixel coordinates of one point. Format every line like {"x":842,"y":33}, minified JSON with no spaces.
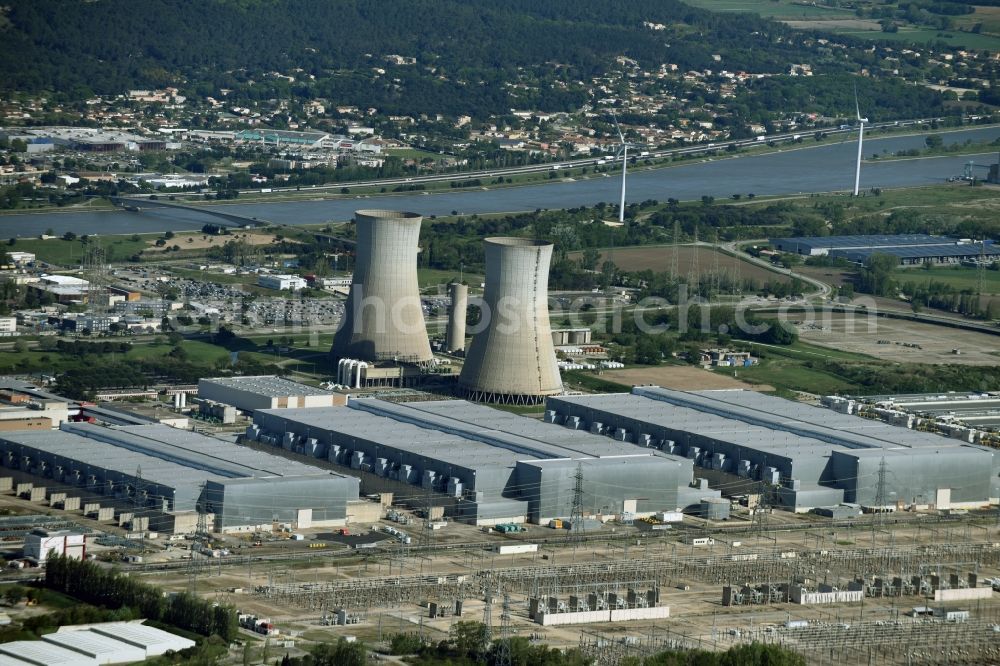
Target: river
{"x":798,"y":169}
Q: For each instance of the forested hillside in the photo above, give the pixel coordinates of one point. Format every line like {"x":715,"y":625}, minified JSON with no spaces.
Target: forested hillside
{"x":471,"y":56}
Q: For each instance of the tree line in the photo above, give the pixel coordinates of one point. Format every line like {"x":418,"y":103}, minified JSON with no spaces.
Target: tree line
{"x":466,"y":52}
{"x":95,"y":585}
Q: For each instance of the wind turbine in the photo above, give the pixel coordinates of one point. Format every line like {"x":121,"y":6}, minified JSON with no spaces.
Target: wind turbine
{"x":623,"y":150}
{"x":861,"y":138}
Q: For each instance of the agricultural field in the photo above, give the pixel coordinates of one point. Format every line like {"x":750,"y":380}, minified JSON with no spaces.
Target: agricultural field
{"x":987,"y":17}
{"x":657,"y":258}
{"x":844,"y":21}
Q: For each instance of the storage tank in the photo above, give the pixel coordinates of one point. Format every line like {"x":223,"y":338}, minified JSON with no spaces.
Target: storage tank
{"x":383,"y":316}
{"x":455,"y":340}
{"x":512,"y":360}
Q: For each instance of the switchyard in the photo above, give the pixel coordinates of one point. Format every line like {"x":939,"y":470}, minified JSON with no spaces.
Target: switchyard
{"x":670,"y":590}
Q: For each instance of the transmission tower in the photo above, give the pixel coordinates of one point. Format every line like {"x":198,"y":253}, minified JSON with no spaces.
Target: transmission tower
{"x":878,"y":520}
{"x":981,"y":272}
{"x":694,"y":277}
{"x":763,"y":507}
{"x":673,"y":251}
{"x":576,"y":515}
{"x":425,"y":534}
{"x":193,"y":566}
{"x":715,"y":262}
{"x":503,"y":648}
{"x":737,"y":274}
{"x":137,"y":504}
{"x":487,"y":615}
{"x":95,"y":270}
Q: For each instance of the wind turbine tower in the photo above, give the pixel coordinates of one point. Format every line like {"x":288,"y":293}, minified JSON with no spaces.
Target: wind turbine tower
{"x":624,"y":152}
{"x":861,"y":138}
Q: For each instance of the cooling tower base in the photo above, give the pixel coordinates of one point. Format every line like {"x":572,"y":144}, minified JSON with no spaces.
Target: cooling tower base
{"x":503,"y":398}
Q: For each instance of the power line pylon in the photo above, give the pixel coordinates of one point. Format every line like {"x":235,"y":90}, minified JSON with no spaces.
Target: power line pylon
{"x":576,"y":514}
{"x":878,"y":520}
{"x":674,"y":250}
{"x":503,"y":647}
{"x":138,"y":502}
{"x":694,"y":273}
{"x":487,"y":615}
{"x":981,"y":272}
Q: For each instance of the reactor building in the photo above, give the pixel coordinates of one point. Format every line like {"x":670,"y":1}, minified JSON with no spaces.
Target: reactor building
{"x":512,"y":360}
{"x":384,"y":318}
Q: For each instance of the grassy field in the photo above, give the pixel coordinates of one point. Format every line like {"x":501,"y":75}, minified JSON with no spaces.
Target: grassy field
{"x":657,"y":258}
{"x":429,"y":277}
{"x":919,"y":35}
{"x":988,"y":17}
{"x":411,"y":153}
{"x":789,"y":374}
{"x":69,"y":253}
{"x":781,"y":10}
{"x":958,"y":277}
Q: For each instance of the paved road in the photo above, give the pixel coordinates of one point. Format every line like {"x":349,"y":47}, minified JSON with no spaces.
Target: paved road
{"x":802,"y":169}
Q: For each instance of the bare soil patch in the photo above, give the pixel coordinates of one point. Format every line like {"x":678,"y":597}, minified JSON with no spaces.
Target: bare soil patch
{"x":928,"y":343}
{"x":679,"y":377}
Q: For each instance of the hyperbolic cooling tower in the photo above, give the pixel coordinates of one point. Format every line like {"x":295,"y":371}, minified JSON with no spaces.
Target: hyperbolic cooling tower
{"x":456,"y":318}
{"x":512,"y":360}
{"x":383,"y":317}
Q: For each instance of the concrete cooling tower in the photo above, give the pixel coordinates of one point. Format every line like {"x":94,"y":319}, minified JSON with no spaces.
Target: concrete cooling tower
{"x":512,"y":360}
{"x":383,"y":317}
{"x":455,"y":339}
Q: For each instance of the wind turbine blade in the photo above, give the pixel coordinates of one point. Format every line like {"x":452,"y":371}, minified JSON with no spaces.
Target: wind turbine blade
{"x":857,"y":108}
{"x":617,"y":128}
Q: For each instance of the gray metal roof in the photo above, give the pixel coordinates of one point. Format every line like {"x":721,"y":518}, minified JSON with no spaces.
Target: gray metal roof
{"x":748,"y":418}
{"x":458,"y":432}
{"x":530,"y":438}
{"x":166,"y":455}
{"x":859,"y":241}
{"x":479,"y":421}
{"x":104,"y":456}
{"x":40,"y":652}
{"x":395,"y":434}
{"x":268,"y":385}
{"x":919,"y":252}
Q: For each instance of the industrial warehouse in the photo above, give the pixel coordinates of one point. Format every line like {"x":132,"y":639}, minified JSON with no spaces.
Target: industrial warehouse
{"x":264,"y":392}
{"x":910,"y":249}
{"x":485,"y":466}
{"x":171,"y":476}
{"x":814,"y":457}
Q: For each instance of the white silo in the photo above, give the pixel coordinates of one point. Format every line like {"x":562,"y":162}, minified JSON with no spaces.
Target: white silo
{"x":512,"y":359}
{"x":383,"y":316}
{"x":455,"y":339}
